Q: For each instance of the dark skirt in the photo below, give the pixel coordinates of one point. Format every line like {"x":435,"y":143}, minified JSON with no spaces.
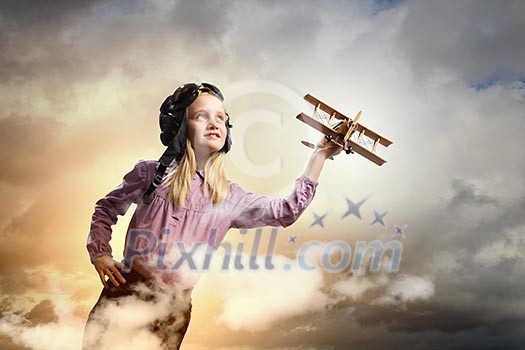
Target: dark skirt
{"x":167,"y":330}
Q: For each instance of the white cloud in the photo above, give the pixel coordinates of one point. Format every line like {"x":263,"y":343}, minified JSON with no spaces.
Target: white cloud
{"x":129,"y":322}
{"x":509,"y":246}
{"x":354,"y":287}
{"x":64,"y":334}
{"x":408,"y":288}
{"x":254,"y":300}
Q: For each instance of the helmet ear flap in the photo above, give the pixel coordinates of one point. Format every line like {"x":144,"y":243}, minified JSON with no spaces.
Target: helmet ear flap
{"x":170,"y":120}
{"x":169,"y":125}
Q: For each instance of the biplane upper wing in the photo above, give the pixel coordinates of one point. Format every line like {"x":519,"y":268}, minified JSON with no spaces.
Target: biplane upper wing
{"x":319,"y":126}
{"x":366,"y":153}
{"x":338,"y":115}
{"x":324,"y":107}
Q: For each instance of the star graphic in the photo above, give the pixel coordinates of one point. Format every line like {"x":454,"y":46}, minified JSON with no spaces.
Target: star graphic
{"x":318,"y":220}
{"x":353,"y":208}
{"x":379,"y":219}
{"x":291,"y":239}
{"x":400,"y":230}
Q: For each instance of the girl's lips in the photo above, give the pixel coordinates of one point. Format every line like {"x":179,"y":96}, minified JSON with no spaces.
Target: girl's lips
{"x":213,"y":134}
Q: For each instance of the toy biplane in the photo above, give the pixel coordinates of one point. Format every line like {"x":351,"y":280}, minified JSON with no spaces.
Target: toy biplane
{"x":343,"y":131}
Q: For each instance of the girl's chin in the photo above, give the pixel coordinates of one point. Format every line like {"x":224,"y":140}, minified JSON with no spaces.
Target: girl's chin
{"x":208,"y":148}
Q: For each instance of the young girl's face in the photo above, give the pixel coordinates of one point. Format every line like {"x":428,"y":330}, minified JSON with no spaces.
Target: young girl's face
{"x":206,"y":124}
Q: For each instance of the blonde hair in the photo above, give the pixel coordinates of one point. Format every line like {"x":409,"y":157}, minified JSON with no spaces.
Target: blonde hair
{"x":178,"y":181}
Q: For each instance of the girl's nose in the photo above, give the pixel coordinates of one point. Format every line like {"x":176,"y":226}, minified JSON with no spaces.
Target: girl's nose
{"x":213,"y":122}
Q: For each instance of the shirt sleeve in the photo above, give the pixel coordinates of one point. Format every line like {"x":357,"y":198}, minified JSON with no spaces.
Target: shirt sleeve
{"x":115,"y":203}
{"x":251,"y":210}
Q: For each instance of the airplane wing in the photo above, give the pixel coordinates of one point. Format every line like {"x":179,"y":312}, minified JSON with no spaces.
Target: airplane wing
{"x":319,"y":126}
{"x":366,"y":153}
{"x":324,"y":107}
{"x":373,"y":135}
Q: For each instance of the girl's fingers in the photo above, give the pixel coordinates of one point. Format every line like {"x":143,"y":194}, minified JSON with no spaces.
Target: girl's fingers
{"x":117,"y":273}
{"x":111,"y":270}
{"x":112,"y":278}
{"x":102,"y":279}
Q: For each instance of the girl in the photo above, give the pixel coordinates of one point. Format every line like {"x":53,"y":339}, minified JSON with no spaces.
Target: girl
{"x":196,"y":203}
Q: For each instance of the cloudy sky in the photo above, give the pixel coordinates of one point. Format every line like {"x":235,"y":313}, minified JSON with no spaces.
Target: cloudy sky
{"x":81,"y":84}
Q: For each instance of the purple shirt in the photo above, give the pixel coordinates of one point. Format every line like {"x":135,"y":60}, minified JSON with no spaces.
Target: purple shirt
{"x":194,"y":222}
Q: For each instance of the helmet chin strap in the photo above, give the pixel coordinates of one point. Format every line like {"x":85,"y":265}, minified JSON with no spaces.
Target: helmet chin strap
{"x":165,"y":160}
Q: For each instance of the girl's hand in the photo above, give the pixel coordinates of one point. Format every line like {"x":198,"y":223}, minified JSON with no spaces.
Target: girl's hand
{"x":327,"y":148}
{"x":107,"y":266}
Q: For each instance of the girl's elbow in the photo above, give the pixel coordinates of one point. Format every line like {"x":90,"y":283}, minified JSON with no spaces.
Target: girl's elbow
{"x":290,"y":219}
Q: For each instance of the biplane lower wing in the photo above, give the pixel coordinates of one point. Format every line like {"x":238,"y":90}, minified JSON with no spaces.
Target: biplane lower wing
{"x":317,"y":125}
{"x":366,"y":153}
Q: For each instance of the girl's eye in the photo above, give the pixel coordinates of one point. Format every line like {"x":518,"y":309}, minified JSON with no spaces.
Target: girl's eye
{"x":203,"y":117}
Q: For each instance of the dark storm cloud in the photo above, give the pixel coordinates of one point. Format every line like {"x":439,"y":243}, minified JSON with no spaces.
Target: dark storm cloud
{"x":373,"y":327}
{"x":42,"y":313}
{"x":35,"y":12}
{"x":428,"y":330}
{"x":483,"y":261}
{"x":5,"y":305}
{"x":31,"y":38}
{"x":7,"y":344}
{"x":83,"y":40}
{"x":198,"y":22}
{"x":467,"y":194}
{"x":416,"y":318}
{"x":476,"y":39}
